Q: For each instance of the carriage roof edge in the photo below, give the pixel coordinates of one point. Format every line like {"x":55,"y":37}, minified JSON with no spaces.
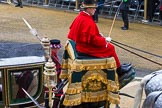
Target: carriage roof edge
{"x":17,"y":53}
{"x":21,"y":60}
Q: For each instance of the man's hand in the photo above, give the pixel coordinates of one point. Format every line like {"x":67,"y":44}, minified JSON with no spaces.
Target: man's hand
{"x":34,"y":32}
{"x":108,"y":39}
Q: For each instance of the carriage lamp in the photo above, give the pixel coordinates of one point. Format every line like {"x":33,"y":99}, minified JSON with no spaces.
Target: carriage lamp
{"x":50,"y":78}
{"x":46,"y":46}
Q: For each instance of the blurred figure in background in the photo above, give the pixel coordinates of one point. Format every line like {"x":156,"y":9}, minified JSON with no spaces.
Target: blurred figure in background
{"x":98,"y":8}
{"x":19,"y":4}
{"x":160,"y":12}
{"x":151,"y":7}
{"x":124,"y":8}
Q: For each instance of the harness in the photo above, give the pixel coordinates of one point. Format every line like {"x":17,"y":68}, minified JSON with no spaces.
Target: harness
{"x":157,"y":97}
{"x":151,"y":99}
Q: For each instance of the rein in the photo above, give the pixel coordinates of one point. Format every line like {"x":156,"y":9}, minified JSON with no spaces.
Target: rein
{"x":120,"y":46}
{"x":137,"y":49}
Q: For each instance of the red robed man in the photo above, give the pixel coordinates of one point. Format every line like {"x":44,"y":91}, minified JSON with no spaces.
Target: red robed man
{"x":85,"y":33}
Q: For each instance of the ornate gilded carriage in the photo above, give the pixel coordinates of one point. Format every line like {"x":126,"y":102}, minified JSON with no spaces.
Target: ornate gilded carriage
{"x":90,"y":80}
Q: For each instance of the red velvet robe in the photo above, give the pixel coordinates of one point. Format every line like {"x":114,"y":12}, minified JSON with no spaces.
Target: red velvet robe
{"x":85,"y":33}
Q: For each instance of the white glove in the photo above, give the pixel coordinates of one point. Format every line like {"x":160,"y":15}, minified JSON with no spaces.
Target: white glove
{"x":108,"y":39}
{"x":34,"y":32}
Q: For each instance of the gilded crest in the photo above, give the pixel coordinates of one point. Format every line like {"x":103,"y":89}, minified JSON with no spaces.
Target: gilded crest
{"x":94,"y":81}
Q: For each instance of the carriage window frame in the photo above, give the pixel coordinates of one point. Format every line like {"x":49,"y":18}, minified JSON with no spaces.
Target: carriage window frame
{"x":2,"y":82}
{"x":23,"y":68}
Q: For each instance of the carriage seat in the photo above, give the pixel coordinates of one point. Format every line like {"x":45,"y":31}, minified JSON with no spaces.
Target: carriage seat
{"x":86,"y":62}
{"x":70,"y":47}
{"x":90,"y":79}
